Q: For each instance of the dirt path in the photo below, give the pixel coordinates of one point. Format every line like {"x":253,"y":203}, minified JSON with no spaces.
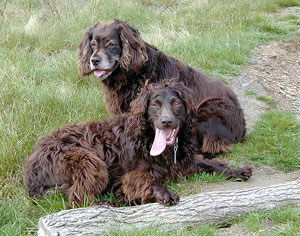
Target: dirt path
{"x":274,"y":72}
{"x":258,"y":180}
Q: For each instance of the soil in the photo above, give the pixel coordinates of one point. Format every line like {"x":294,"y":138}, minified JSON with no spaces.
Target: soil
{"x":273,"y":72}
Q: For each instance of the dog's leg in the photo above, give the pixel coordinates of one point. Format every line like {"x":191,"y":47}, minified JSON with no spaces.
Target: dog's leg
{"x":87,"y":175}
{"x":164,"y":195}
{"x":138,"y":187}
{"x":214,"y":166}
{"x":221,"y":123}
{"x":214,"y":145}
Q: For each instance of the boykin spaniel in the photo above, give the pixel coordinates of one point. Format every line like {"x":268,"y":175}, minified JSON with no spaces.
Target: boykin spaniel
{"x":132,"y":154}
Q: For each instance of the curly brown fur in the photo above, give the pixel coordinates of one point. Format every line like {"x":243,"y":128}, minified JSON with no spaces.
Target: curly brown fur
{"x":221,"y":123}
{"x":87,"y":159}
{"x":135,"y":61}
{"x":87,"y":175}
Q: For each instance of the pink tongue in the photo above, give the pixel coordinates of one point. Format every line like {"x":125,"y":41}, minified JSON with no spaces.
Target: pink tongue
{"x":160,"y":143}
{"x":99,"y":73}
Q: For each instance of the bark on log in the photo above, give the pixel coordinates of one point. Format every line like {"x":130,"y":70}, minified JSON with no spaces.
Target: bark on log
{"x":213,"y":207}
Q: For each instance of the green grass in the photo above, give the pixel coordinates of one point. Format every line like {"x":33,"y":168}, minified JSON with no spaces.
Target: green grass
{"x":279,"y":221}
{"x":265,"y":99}
{"x":274,"y":142}
{"x":268,"y":100}
{"x":201,"y":229}
{"x":40,"y":88}
{"x":193,"y":184}
{"x":289,"y":17}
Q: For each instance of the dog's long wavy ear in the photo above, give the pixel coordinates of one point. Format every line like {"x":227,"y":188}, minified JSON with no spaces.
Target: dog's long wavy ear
{"x":139,"y":110}
{"x":134,"y":53}
{"x":185,"y":95}
{"x":85,"y":52}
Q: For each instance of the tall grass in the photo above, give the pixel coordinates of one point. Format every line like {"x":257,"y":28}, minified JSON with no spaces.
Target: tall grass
{"x":273,"y":142}
{"x":279,"y":221}
{"x":40,"y":89}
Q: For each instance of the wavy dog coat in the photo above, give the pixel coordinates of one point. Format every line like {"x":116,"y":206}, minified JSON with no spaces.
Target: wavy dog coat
{"x":87,"y":159}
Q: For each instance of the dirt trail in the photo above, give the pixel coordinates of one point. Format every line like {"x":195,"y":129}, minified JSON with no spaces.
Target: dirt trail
{"x":257,"y":180}
{"x":273,"y":72}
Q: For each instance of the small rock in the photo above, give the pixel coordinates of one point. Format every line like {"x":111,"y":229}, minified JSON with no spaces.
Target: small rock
{"x":245,"y":84}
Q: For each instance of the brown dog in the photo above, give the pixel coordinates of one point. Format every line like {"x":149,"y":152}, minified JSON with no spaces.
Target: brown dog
{"x":133,"y":153}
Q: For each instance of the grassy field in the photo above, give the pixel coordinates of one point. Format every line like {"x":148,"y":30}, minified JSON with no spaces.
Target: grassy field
{"x":40,"y":89}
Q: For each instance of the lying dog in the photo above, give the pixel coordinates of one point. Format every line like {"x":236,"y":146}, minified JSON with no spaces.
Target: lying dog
{"x":134,"y":153}
{"x":117,"y":55}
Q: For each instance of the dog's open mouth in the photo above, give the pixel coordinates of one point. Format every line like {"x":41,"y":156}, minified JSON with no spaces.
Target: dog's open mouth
{"x":103,"y":74}
{"x":163,"y":137}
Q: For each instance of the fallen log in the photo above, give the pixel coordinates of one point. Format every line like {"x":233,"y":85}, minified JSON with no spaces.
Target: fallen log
{"x":210,"y":207}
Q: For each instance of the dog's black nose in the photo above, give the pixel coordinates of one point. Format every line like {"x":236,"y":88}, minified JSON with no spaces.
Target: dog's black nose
{"x":167,"y":121}
{"x":95,"y":60}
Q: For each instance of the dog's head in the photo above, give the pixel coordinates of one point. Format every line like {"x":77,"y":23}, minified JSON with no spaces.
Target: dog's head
{"x":167,"y":108}
{"x":105,"y":47}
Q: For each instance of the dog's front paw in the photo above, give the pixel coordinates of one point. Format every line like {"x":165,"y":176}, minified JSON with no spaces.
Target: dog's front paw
{"x":169,"y":198}
{"x":243,"y":173}
{"x":165,"y":196}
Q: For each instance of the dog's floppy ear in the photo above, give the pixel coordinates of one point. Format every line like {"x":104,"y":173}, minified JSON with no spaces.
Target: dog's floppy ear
{"x":183,"y":92}
{"x":138,"y":110}
{"x":185,"y":95}
{"x":85,"y":52}
{"x":134,"y":53}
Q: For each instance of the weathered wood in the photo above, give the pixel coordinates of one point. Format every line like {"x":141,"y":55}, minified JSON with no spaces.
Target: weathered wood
{"x":210,"y":207}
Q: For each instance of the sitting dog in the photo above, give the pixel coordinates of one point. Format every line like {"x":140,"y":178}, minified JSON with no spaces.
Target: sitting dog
{"x":122,"y":60}
{"x":134,"y":153}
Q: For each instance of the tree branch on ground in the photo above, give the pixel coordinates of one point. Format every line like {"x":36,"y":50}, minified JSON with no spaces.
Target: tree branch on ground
{"x":210,"y":207}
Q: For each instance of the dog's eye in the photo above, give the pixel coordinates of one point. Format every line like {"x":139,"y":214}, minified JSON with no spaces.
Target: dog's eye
{"x":112,"y":45}
{"x":176,"y":104}
{"x":155,"y":105}
{"x":93,"y":43}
